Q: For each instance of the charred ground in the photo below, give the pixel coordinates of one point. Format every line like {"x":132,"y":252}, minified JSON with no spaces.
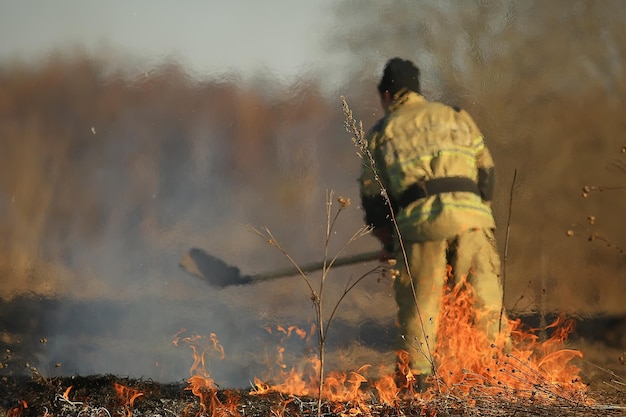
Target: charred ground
{"x":95,"y":396}
{"x":27,"y":391}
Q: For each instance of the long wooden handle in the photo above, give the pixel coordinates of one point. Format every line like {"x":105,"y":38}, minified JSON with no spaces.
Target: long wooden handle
{"x":316,"y":266}
{"x":218,"y":273}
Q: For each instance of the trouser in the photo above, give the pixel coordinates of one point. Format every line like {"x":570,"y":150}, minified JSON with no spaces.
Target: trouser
{"x":472,"y":254}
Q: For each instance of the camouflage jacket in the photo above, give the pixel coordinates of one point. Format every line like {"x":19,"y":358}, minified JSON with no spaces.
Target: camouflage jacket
{"x":419,"y":140}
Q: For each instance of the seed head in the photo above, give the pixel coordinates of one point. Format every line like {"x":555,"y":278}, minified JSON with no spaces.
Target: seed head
{"x":345,"y":202}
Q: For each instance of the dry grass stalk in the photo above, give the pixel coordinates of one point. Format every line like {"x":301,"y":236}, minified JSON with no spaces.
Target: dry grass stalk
{"x":317,"y":294}
{"x":358,"y":138}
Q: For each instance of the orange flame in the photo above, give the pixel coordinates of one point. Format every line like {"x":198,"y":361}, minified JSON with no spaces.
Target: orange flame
{"x":522,"y":366}
{"x":298,"y":381}
{"x":302,"y":379}
{"x":467,"y":360}
{"x":201,"y":384}
{"x":468,"y":363}
{"x":127,"y":395}
{"x":18,"y":411}
{"x":15,"y":412}
{"x":66,"y":393}
{"x":292,"y":329}
{"x":387,"y":389}
{"x":343,"y":387}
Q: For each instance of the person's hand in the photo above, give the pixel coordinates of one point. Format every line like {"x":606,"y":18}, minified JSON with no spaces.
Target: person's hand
{"x":386,"y":238}
{"x":384,"y":235}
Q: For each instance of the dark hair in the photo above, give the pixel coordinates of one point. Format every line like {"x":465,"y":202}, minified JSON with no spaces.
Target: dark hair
{"x":398,"y":74}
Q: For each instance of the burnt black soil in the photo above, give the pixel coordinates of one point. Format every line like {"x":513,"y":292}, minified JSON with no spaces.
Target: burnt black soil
{"x":95,"y":396}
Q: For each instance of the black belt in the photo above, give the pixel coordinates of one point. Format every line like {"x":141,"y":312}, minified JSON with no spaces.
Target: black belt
{"x":423,"y":189}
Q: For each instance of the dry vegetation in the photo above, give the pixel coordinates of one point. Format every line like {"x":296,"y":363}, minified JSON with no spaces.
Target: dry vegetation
{"x":86,"y":155}
{"x":108,"y":175}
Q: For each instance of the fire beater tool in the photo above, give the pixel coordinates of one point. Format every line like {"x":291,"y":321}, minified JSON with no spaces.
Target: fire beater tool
{"x":219,"y":274}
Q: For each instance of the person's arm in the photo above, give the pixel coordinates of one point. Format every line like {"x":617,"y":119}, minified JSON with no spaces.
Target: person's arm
{"x":484,"y":163}
{"x":486,"y":183}
{"x":486,"y":173}
{"x":377,"y":210}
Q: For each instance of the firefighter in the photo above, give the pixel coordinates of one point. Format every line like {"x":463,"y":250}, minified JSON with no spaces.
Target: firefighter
{"x":438,"y":176}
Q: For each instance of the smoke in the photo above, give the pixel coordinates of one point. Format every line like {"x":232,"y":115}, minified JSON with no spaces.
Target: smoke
{"x":108,"y":180}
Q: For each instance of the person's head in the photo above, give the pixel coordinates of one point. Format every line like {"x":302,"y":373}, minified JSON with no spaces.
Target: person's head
{"x":398,"y":74}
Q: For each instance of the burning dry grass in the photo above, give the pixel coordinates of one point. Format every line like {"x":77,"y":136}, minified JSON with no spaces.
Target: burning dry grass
{"x":533,"y":378}
{"x":526,"y":376}
{"x":474,"y":374}
{"x":469,"y":364}
{"x":95,"y":396}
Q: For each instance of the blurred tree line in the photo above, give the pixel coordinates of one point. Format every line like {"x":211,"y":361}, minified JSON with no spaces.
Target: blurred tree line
{"x":90,"y":154}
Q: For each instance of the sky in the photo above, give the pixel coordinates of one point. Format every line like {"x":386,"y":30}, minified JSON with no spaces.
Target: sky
{"x":282,"y":37}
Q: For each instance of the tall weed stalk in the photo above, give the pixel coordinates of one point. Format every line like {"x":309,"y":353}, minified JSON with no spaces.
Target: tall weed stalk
{"x":355,"y":128}
{"x":317,"y":293}
{"x":619,"y":167}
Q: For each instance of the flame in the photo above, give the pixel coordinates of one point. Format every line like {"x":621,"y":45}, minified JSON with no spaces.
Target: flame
{"x":15,"y":412}
{"x":468,"y":361}
{"x":523,"y":366}
{"x":66,"y":393}
{"x":298,"y":380}
{"x":292,"y":329}
{"x":387,"y":389}
{"x":339,"y":388}
{"x":343,"y":387}
{"x":200,"y":383}
{"x":127,"y":395}
{"x":301,"y":380}
{"x":18,"y":411}
{"x":513,"y":365}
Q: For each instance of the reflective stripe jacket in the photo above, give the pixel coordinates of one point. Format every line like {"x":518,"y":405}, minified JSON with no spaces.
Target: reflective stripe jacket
{"x":419,"y":140}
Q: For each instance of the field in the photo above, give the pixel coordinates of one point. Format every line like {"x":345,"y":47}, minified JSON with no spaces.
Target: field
{"x":109,"y":175}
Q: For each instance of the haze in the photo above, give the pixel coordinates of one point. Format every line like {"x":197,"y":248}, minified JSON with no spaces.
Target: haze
{"x":128,"y":136}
